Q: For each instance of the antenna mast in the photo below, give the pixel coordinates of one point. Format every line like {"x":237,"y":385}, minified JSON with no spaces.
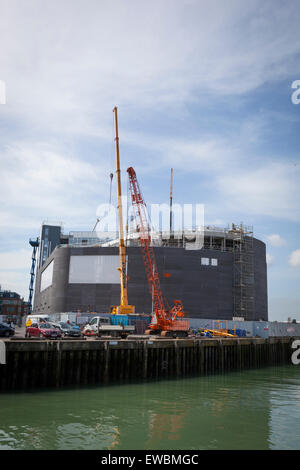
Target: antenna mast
{"x":171,"y":201}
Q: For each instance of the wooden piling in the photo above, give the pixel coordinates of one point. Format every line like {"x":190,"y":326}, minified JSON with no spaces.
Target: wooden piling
{"x":40,"y":364}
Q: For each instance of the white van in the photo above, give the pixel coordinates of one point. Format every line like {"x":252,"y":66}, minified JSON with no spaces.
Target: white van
{"x":101,"y":326}
{"x":36,"y":318}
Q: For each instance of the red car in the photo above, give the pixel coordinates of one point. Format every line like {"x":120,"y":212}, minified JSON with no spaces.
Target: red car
{"x":42,"y":330}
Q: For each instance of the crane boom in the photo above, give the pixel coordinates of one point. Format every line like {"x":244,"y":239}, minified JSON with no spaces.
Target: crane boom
{"x":164,"y":318}
{"x":145,"y":241}
{"x":123,"y":308}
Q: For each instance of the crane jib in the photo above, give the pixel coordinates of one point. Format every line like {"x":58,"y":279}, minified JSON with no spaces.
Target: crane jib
{"x":164,"y":318}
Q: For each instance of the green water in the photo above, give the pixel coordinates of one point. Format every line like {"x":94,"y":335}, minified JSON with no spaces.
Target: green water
{"x":250,"y":410}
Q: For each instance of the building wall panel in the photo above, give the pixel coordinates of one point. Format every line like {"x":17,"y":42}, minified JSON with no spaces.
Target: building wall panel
{"x":206,"y":291}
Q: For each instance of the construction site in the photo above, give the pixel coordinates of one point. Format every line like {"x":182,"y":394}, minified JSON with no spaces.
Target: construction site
{"x":210,"y":272}
{"x":143,"y":303}
{"x":226,"y":278}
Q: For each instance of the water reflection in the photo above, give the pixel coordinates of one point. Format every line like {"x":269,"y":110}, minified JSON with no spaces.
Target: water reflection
{"x":251,"y":410}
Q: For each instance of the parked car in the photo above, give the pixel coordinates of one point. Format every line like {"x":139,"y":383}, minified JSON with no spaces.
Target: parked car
{"x":36,"y":319}
{"x":71,"y":329}
{"x":42,"y":330}
{"x":74,"y":325}
{"x":6,"y":330}
{"x":67,"y":329}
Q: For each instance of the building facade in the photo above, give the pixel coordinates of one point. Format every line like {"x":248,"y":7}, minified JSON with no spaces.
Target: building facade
{"x":225,"y":278}
{"x":12,"y":306}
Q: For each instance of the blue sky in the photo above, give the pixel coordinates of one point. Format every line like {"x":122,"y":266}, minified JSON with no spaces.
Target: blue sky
{"x":203,"y":87}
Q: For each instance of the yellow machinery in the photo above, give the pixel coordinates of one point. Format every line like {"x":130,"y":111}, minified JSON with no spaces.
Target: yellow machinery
{"x":220,"y":330}
{"x":123,"y":308}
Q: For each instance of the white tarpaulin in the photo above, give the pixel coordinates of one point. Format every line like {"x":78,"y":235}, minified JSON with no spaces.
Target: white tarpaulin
{"x":94,"y":270}
{"x":47,"y":275}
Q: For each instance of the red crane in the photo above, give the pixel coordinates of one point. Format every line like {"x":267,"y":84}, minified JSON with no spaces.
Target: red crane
{"x":165,"y":320}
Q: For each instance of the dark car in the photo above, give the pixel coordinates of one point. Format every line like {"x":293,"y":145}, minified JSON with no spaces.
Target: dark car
{"x":42,"y":330}
{"x":6,"y":330}
{"x":70,"y":330}
{"x":74,"y":325}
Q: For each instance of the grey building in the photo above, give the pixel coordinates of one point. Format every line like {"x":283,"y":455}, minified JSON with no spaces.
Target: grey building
{"x":225,"y":278}
{"x":51,"y":236}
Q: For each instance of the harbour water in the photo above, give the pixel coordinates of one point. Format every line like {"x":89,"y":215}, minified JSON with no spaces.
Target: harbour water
{"x":256,"y":409}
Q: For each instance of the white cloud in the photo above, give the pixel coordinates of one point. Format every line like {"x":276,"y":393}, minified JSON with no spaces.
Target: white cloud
{"x":206,"y":154}
{"x":14,"y":271}
{"x":280,"y":308}
{"x":15,"y":281}
{"x":294,"y":259}
{"x":269,"y":259}
{"x":252,"y":184}
{"x":15,"y":260}
{"x":271,"y":189}
{"x":74,"y":67}
{"x":39,"y":182}
{"x":276,"y":240}
{"x":66,"y":64}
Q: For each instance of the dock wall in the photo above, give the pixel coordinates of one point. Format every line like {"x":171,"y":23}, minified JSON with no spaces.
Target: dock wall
{"x":45,"y":364}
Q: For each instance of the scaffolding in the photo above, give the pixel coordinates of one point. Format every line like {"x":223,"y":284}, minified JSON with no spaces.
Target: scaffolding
{"x":243,"y":275}
{"x":207,"y":237}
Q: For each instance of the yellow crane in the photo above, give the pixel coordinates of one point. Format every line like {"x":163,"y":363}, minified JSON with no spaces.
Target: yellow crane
{"x":123,"y":308}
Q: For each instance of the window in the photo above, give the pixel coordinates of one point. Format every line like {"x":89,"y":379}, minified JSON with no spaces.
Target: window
{"x":214,"y":262}
{"x":205,"y":261}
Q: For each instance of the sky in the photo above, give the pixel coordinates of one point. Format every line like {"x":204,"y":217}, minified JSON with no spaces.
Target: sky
{"x":208,"y":88}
